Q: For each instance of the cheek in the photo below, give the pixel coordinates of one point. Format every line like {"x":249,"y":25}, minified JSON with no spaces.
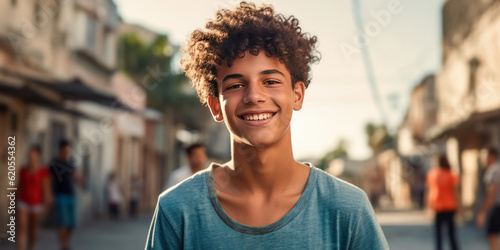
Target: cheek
{"x":228,"y":105}
{"x":285,"y":101}
{"x":225,"y":108}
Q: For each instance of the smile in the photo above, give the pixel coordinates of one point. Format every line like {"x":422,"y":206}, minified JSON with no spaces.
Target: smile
{"x":257,"y":117}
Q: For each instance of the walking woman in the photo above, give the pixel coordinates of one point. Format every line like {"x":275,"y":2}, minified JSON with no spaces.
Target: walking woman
{"x":34,"y":200}
{"x":443,"y":199}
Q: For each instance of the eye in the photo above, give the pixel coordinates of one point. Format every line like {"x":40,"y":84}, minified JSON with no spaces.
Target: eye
{"x":271,"y":82}
{"x":235,"y":86}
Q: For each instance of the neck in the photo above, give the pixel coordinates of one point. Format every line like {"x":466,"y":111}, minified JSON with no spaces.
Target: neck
{"x":263,"y":170}
{"x":33,"y":165}
{"x":195,"y":169}
{"x":62,"y":159}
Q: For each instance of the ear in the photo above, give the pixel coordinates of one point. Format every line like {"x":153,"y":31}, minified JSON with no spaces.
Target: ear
{"x":214,"y":104}
{"x":298,"y":95}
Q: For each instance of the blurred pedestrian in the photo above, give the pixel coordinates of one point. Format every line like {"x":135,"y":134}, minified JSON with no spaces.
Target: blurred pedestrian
{"x":114,"y":196}
{"x":196,"y":156}
{"x":491,"y":204}
{"x":375,"y":182}
{"x":135,"y":195}
{"x":64,"y":178}
{"x":34,"y":198}
{"x":443,"y":199}
{"x":419,"y":189}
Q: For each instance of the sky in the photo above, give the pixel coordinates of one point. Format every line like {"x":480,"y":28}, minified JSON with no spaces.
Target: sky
{"x":403,"y":39}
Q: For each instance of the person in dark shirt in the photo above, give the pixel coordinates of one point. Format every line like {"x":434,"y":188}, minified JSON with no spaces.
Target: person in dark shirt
{"x":64,"y":177}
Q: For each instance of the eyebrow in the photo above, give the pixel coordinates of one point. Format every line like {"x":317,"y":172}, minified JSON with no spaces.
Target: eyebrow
{"x":232,"y":76}
{"x":265,"y":72}
{"x":271,"y":71}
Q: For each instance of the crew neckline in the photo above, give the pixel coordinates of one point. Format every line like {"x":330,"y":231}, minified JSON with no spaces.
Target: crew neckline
{"x":246,"y":229}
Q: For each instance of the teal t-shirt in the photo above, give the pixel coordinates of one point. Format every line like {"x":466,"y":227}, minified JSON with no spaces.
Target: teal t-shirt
{"x":330,"y":214}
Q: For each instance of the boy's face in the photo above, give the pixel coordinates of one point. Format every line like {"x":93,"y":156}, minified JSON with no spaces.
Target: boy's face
{"x":256,"y":99}
{"x":197,"y":157}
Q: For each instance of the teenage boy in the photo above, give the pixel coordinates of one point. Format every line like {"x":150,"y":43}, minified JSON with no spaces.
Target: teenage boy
{"x":251,"y":66}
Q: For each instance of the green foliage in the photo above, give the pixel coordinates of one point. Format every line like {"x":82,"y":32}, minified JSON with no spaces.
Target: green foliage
{"x":379,"y":138}
{"x":150,"y":66}
{"x":340,"y":151}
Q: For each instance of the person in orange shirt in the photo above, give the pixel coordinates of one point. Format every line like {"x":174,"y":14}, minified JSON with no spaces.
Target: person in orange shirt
{"x":443,"y":199}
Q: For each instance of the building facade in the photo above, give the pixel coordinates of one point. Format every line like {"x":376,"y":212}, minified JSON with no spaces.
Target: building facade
{"x":58,"y":80}
{"x":464,"y":118}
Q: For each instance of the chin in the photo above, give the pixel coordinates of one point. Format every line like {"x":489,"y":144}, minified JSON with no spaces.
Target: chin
{"x":260,"y":140}
{"x":260,"y":144}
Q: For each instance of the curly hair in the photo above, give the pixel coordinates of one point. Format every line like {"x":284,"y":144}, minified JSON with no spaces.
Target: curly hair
{"x":252,"y":29}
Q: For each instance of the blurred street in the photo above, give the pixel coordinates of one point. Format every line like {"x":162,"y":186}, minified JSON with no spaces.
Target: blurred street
{"x":404,"y":230}
{"x":97,"y":118}
{"x":97,"y":235}
{"x":411,"y":230}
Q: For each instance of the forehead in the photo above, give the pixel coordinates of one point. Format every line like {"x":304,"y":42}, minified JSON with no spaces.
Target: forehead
{"x":248,"y":64}
{"x":198,"y":149}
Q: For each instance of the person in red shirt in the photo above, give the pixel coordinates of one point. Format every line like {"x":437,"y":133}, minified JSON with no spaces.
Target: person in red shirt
{"x":34,"y":198}
{"x":443,"y":199}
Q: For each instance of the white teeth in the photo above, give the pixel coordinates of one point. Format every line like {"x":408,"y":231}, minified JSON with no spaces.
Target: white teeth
{"x":258,"y":117}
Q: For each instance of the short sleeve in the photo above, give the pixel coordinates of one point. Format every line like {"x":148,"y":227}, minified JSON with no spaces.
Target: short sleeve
{"x":367,"y":233}
{"x":161,"y":234}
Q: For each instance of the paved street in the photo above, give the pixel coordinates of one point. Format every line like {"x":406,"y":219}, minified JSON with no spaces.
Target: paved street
{"x":103,"y":235}
{"x":412,"y":230}
{"x":406,"y":230}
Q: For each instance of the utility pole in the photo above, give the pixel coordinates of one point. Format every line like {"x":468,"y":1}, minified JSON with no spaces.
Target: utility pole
{"x":368,"y":64}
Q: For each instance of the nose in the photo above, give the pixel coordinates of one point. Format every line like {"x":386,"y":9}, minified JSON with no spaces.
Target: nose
{"x":255,"y":93}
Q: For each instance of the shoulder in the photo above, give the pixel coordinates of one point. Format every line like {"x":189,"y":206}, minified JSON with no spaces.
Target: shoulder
{"x":496,"y":167}
{"x":338,"y":193}
{"x":349,"y":207}
{"x":493,"y":171}
{"x":496,"y":171}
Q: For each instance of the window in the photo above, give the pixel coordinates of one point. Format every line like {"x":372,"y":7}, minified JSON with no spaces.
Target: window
{"x":57,"y":133}
{"x":109,"y":48}
{"x":473,"y":66}
{"x":431,"y":90}
{"x":86,"y":169}
{"x":90,"y":35}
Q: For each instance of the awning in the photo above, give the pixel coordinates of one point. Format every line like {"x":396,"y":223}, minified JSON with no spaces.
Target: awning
{"x":29,"y":93}
{"x":76,"y":90}
{"x":438,"y":132}
{"x":46,"y":92}
{"x":13,"y":86}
